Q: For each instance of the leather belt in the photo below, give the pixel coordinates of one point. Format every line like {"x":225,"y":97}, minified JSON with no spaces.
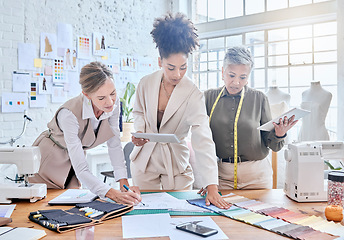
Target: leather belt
{"x":231,"y":160}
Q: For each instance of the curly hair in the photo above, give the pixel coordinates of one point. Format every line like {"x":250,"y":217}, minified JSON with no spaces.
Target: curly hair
{"x":174,"y":34}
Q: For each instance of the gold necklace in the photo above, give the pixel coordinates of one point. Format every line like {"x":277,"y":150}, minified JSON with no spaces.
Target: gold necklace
{"x":167,"y":94}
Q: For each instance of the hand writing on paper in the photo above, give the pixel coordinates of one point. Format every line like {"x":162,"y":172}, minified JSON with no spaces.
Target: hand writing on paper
{"x":130,"y":198}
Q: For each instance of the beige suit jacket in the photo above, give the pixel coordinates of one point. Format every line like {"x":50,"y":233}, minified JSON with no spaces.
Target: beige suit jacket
{"x":185,"y":110}
{"x":55,"y":162}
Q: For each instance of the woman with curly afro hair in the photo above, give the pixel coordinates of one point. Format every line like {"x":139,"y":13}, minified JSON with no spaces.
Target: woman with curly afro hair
{"x":168,"y":102}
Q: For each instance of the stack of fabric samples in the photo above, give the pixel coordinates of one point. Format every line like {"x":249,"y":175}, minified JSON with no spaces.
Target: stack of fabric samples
{"x":281,"y":220}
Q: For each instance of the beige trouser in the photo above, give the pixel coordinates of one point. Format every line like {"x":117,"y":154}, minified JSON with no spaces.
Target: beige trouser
{"x":250,"y":175}
{"x":156,"y":175}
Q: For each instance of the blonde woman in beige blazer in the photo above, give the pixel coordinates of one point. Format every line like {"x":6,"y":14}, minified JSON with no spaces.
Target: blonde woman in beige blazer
{"x":83,"y":123}
{"x":169,"y":102}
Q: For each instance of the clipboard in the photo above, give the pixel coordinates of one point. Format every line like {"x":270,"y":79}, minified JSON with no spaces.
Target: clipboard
{"x":298,"y":112}
{"x":157,"y":137}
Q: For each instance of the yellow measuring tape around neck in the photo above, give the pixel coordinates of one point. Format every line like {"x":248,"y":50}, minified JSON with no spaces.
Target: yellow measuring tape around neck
{"x":235,"y":131}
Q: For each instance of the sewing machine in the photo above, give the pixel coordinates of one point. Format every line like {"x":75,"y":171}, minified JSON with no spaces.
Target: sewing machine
{"x":27,"y":160}
{"x":304,"y":180}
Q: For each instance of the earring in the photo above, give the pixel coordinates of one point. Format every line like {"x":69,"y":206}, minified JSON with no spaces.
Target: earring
{"x":89,"y":102}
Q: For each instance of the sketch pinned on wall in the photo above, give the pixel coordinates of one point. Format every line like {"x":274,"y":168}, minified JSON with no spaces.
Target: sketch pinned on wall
{"x":45,"y":85}
{"x":83,"y":47}
{"x":48,"y":46}
{"x":64,"y":36}
{"x":48,"y":70}
{"x":73,"y":87}
{"x":59,"y":74}
{"x":128,"y":63}
{"x":58,"y":94}
{"x":14,"y":102}
{"x":26,"y":56}
{"x":99,"y":44}
{"x":21,"y":82}
{"x":70,"y":62}
{"x":113,"y":55}
{"x":114,"y":68}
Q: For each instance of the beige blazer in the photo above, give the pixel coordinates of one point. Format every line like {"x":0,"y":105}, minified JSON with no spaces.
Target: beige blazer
{"x":55,"y":162}
{"x":185,"y":110}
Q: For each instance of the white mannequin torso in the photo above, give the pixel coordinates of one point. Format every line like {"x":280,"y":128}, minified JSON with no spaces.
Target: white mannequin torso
{"x":317,"y":100}
{"x":279,"y":101}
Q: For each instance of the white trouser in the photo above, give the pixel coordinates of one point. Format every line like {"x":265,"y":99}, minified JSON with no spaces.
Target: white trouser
{"x":250,"y":174}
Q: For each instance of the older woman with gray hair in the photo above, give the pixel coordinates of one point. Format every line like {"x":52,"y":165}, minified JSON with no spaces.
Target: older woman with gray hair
{"x":235,"y":111}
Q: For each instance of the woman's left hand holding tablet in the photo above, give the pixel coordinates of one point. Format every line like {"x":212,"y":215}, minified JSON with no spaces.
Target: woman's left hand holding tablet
{"x":139,"y":141}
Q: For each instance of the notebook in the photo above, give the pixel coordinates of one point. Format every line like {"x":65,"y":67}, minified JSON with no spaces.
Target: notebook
{"x":73,"y":196}
{"x":8,"y":233}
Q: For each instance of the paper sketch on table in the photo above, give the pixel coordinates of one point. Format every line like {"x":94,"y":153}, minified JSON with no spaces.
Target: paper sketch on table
{"x":26,"y":56}
{"x":166,"y":201}
{"x":48,"y":45}
{"x":146,"y":226}
{"x":160,"y":225}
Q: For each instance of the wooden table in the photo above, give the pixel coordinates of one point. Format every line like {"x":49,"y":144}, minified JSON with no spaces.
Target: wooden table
{"x":112,"y":229}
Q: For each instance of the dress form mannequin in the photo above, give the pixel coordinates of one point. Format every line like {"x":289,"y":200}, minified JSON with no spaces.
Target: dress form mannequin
{"x":279,"y":101}
{"x":317,"y":100}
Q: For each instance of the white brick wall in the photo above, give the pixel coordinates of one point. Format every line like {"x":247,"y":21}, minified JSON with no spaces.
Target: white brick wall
{"x":127,"y":25}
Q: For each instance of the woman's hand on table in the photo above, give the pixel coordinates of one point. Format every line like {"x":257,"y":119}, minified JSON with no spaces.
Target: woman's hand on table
{"x":213,"y":197}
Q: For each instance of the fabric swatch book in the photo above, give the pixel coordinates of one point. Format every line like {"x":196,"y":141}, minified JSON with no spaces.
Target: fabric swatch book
{"x":73,"y":196}
{"x":276,"y":219}
{"x":82,"y":215}
{"x":8,"y":233}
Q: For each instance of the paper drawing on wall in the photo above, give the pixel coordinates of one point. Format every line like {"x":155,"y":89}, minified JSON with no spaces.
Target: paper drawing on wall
{"x":128,"y":63}
{"x":14,"y":102}
{"x":99,"y":44}
{"x":74,"y":59}
{"x":48,"y":46}
{"x":58,"y":95}
{"x":70,"y":59}
{"x":45,"y":85}
{"x":83,"y":47}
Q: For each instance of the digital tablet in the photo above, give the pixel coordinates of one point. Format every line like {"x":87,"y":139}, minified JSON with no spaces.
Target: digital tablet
{"x":158,"y":137}
{"x":298,"y":112}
